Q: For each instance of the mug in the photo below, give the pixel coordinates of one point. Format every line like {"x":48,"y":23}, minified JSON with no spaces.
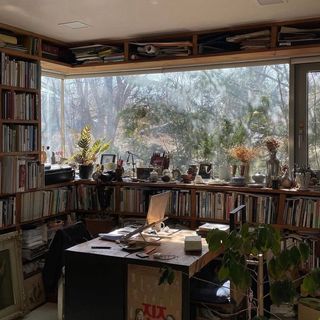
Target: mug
{"x":159,"y":227}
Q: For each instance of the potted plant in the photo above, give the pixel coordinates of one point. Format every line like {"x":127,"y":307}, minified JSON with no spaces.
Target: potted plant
{"x":87,"y":152}
{"x":283,"y":267}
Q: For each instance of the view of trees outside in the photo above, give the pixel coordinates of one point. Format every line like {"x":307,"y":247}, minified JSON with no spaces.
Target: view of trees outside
{"x":194,"y":115}
{"x":313,"y":87}
{"x":51,"y":113}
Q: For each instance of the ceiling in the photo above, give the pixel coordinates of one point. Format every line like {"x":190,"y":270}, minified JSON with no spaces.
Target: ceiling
{"x":118,"y":19}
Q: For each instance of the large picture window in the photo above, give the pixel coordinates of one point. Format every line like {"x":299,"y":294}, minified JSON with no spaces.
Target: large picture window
{"x":193,"y":115}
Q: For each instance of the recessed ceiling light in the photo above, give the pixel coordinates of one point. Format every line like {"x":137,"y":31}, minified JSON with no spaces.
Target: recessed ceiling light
{"x":74,"y":24}
{"x":269,"y":2}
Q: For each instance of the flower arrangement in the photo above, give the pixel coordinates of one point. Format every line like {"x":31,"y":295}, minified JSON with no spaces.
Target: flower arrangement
{"x":272,"y":144}
{"x":243,"y":153}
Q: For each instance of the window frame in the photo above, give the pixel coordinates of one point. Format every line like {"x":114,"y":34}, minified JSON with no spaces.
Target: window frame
{"x":294,"y":118}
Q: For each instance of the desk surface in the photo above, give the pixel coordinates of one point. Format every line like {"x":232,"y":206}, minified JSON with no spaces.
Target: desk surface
{"x":188,"y":263}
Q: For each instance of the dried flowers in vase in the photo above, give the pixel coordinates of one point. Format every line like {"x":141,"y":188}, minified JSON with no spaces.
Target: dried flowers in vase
{"x":272,"y":144}
{"x":243,"y":153}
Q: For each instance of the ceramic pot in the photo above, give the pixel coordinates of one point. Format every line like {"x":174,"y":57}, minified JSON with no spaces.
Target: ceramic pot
{"x":85,"y":171}
{"x":258,"y":178}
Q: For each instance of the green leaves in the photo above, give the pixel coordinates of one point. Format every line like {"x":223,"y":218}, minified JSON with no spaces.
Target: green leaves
{"x":89,"y":153}
{"x":311,"y":283}
{"x":283,"y":267}
{"x":282,"y":291}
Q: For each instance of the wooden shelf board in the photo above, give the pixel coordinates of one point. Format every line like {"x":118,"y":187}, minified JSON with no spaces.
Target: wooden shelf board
{"x":12,"y":88}
{"x":19,"y":153}
{"x":13,"y":121}
{"x":44,"y":218}
{"x":19,"y":54}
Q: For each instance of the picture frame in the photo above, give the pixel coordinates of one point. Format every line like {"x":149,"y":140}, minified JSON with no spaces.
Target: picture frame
{"x":108,"y":160}
{"x":11,"y":279}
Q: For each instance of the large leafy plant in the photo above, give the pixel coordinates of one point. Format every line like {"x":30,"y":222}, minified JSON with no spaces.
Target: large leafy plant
{"x":282,"y":265}
{"x":88,"y":151}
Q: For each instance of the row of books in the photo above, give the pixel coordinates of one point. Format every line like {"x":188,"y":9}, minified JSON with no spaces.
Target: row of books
{"x":19,"y":73}
{"x":98,"y":53}
{"x":19,"y":106}
{"x":92,"y":198}
{"x":44,"y":203}
{"x":302,"y":212}
{"x":217,"y":205}
{"x":18,"y":174}
{"x":19,"y":138}
{"x":137,"y":201}
{"x":7,"y":212}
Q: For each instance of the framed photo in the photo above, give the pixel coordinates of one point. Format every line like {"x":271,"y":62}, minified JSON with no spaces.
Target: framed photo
{"x":108,"y":160}
{"x":34,"y":291}
{"x":11,"y":280}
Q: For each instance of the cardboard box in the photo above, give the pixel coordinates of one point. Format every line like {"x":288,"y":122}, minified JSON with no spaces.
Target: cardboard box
{"x":307,"y":312}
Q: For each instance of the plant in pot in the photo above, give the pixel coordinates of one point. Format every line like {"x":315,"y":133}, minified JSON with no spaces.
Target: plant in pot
{"x":87,"y":152}
{"x":262,"y":244}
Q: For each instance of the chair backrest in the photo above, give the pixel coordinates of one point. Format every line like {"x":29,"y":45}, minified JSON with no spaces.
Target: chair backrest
{"x":55,"y":259}
{"x":232,"y":216}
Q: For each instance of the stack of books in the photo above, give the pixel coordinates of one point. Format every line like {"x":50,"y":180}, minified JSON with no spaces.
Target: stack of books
{"x":34,"y":242}
{"x":160,"y":49}
{"x":252,"y":40}
{"x":224,"y":42}
{"x":98,"y":53}
{"x":10,"y":41}
{"x":289,"y":36}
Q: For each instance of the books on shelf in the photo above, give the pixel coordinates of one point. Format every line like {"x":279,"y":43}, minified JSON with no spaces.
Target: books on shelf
{"x":7,"y":212}
{"x":134,"y":200}
{"x":8,"y":39}
{"x":45,"y":203}
{"x":98,"y":53}
{"x":161,"y":49}
{"x":302,"y":212}
{"x":290,"y":36}
{"x":18,"y":73}
{"x":19,"y":105}
{"x":19,"y":138}
{"x":90,"y":197}
{"x":217,"y":205}
{"x":20,"y":174}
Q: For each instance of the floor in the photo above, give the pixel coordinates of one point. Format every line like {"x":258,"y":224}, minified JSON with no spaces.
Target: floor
{"x":47,"y":311}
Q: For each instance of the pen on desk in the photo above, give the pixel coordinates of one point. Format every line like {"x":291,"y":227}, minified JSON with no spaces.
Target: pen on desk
{"x":100,"y":247}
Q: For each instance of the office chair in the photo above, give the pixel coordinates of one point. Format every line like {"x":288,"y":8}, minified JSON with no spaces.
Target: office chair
{"x":53,"y":275}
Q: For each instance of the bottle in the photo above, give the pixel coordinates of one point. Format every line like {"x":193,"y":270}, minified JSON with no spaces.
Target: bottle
{"x":43,"y":155}
{"x":48,"y":156}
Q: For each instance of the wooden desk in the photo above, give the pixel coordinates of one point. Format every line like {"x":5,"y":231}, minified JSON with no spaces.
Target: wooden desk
{"x":97,"y":281}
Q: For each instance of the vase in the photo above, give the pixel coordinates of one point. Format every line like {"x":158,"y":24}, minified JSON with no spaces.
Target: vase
{"x":273,"y":168}
{"x":244,"y":169}
{"x":85,"y":171}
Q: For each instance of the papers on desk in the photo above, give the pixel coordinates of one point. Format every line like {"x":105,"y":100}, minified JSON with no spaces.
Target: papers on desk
{"x":211,"y":226}
{"x":206,"y":227}
{"x":116,"y":234}
{"x":165,"y":233}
